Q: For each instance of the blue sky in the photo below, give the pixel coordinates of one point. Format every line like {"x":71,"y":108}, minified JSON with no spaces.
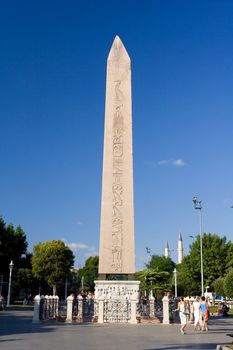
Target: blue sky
{"x":52,"y":94}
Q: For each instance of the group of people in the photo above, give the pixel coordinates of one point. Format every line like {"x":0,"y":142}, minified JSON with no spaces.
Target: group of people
{"x":222,"y":309}
{"x":200,"y":311}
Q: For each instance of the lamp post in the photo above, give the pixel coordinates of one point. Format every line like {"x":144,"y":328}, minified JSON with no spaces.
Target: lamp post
{"x":197,"y":206}
{"x":193,"y":237}
{"x":82,"y":281}
{"x":11,"y":265}
{"x":175,"y":276}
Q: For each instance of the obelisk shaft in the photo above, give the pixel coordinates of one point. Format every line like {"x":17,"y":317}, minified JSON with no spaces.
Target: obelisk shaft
{"x":116,"y":254}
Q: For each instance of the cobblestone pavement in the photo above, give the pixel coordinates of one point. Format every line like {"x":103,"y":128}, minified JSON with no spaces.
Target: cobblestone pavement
{"x":18,"y":332}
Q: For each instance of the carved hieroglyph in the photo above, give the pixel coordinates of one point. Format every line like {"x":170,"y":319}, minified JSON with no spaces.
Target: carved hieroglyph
{"x":117,"y":209}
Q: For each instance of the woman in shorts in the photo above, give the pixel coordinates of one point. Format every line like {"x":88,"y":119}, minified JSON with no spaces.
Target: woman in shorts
{"x":183,"y":316}
{"x":204,"y":314}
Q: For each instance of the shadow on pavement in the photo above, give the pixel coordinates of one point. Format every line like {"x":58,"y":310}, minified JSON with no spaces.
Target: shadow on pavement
{"x":20,"y":322}
{"x":199,"y":346}
{"x":7,"y":340}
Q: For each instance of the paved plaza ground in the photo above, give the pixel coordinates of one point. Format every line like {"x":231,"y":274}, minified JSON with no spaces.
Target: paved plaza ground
{"x":18,"y":332}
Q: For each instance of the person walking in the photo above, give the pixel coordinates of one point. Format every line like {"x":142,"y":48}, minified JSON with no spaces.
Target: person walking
{"x":183,"y":315}
{"x":2,"y":302}
{"x":197,"y":313}
{"x":204,"y":314}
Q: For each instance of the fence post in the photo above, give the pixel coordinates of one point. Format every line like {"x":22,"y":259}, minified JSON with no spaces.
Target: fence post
{"x":80,"y":308}
{"x":56,"y":305}
{"x":69,"y":309}
{"x":133,"y":318}
{"x":46,"y":307}
{"x":152,"y":306}
{"x":36,"y":313}
{"x":101,"y":311}
{"x":166,"y":310}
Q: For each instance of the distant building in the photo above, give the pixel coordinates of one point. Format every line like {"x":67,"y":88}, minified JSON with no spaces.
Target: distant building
{"x":166,"y":251}
{"x":180,"y":249}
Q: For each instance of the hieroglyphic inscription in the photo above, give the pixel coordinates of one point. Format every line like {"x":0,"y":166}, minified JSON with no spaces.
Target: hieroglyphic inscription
{"x":117,"y":186}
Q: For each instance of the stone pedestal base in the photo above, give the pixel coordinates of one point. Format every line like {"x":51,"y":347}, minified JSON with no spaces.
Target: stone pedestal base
{"x":116,"y":301}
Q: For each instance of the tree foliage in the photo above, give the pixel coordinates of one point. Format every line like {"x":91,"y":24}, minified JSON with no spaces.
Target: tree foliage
{"x":153,"y":280}
{"x":13,"y":244}
{"x":228,"y":284}
{"x":218,"y":286}
{"x":51,"y":262}
{"x":216,"y":261}
{"x":90,"y":272}
{"x":157,"y":277}
{"x":161,"y":263}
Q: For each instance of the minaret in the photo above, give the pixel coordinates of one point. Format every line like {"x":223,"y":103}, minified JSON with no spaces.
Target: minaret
{"x":167,"y":251}
{"x":180,"y":249}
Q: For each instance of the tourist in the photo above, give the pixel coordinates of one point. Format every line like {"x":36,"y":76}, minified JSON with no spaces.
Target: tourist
{"x":222,"y":310}
{"x":204,"y":314}
{"x":2,"y":302}
{"x":191,"y":309}
{"x":182,"y":306}
{"x":197,"y":313}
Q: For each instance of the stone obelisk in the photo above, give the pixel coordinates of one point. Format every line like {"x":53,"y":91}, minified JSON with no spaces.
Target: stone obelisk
{"x":116,"y":300}
{"x":116,"y":254}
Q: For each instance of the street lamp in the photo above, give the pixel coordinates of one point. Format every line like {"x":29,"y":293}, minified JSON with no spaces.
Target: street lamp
{"x":82,"y":281}
{"x":193,"y":237}
{"x":11,"y":265}
{"x":175,"y":276}
{"x":197,"y":205}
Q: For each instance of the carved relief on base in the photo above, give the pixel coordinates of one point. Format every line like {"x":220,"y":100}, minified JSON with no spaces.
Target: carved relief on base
{"x":119,"y":299}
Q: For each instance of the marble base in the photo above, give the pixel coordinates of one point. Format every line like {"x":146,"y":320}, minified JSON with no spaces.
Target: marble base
{"x":116,"y":301}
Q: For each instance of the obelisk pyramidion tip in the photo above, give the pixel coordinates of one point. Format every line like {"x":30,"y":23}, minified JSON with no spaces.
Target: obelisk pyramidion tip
{"x":118,"y":51}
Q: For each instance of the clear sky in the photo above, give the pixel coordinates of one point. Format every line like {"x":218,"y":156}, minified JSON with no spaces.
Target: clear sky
{"x":52,"y":93}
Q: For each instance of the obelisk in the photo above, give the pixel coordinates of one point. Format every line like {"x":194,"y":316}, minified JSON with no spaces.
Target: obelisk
{"x":116,"y":252}
{"x":116,"y":300}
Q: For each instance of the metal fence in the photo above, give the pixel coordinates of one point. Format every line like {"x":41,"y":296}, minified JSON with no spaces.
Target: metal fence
{"x":49,"y":308}
{"x":117,"y":311}
{"x":86,"y":310}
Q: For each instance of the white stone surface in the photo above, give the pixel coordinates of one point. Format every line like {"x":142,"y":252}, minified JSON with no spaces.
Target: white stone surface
{"x":180,"y":249}
{"x":36,"y":313}
{"x":116,"y":301}
{"x":69,"y":301}
{"x":116,"y":255}
{"x":166,"y":319}
{"x":166,"y":251}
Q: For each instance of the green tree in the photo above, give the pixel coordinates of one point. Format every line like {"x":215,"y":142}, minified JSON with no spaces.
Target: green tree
{"x":229,"y":260}
{"x":157,"y":281}
{"x":13,"y":246}
{"x":157,"y":276}
{"x":228,"y":284}
{"x":187,"y":279}
{"x":215,"y":258}
{"x":217,"y":286}
{"x":23,"y":282}
{"x":51,"y":262}
{"x":90,"y":272}
{"x":161,"y":263}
